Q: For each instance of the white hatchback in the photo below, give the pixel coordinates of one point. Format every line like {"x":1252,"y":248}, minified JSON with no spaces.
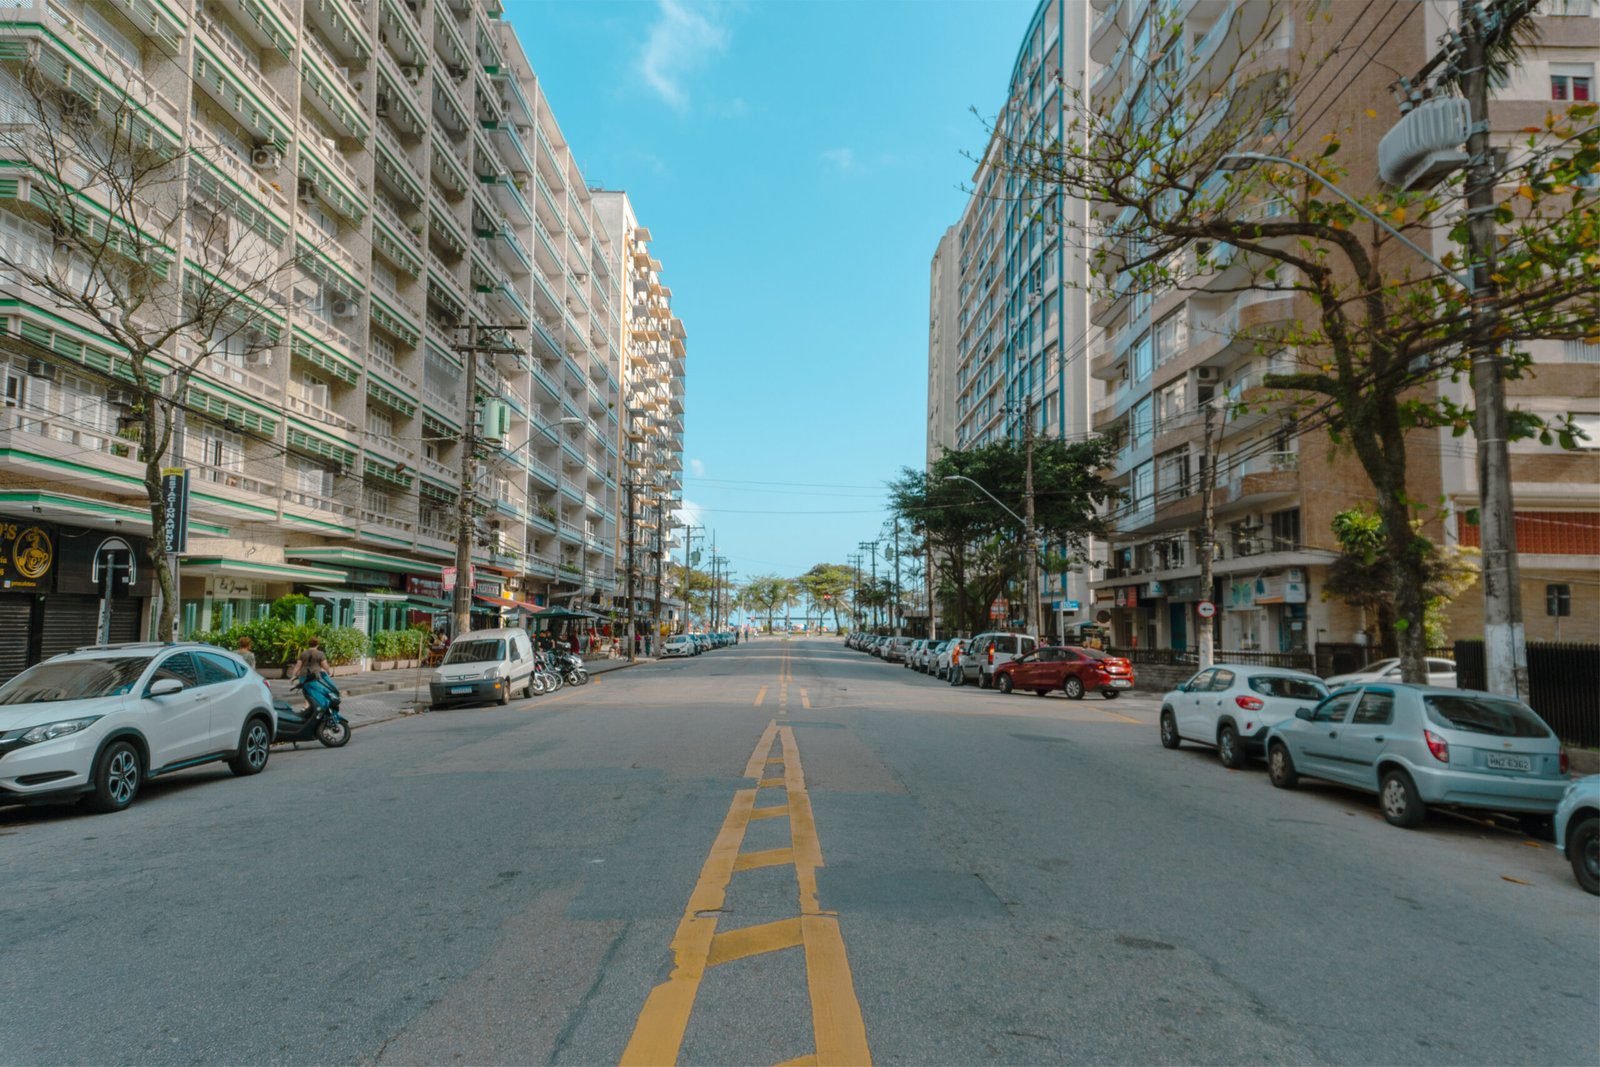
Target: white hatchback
{"x":677,"y":645}
{"x":100,"y":721}
{"x":1232,"y":705}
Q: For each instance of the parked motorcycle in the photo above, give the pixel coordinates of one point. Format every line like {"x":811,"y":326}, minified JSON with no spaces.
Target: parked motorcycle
{"x":546,"y":678}
{"x":319,"y":720}
{"x":570,"y":665}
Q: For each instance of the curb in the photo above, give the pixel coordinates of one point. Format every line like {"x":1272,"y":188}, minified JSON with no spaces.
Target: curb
{"x":421,"y":708}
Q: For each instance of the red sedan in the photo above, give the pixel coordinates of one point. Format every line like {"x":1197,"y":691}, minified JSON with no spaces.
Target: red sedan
{"x":1075,"y":671}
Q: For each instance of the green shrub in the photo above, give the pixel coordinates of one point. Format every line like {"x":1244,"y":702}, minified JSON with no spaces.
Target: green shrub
{"x":343,"y":644}
{"x":396,"y":644}
{"x":284,"y":607}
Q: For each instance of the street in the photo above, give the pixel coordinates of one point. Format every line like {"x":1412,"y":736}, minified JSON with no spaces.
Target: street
{"x":844,"y":858}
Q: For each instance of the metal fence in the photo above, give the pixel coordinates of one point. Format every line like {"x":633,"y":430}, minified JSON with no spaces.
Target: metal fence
{"x":1563,"y":685}
{"x":1190,"y":657}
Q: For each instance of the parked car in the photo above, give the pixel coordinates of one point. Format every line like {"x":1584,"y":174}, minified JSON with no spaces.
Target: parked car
{"x":927,"y":654}
{"x":915,"y":650}
{"x":878,"y":646}
{"x":677,"y":645}
{"x":101,"y":721}
{"x":484,"y":665}
{"x":1074,"y":671}
{"x":895,"y":650}
{"x":1232,"y":706}
{"x":1577,"y":827}
{"x":1441,"y":672}
{"x":981,"y":655}
{"x":1416,"y":746}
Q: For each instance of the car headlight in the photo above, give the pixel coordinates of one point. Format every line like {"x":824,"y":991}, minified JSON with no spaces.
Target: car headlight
{"x":492,"y":674}
{"x":51,"y":730}
{"x":438,"y":677}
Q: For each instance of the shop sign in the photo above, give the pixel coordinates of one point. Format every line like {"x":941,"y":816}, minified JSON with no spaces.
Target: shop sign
{"x":1241,"y":595}
{"x":223,"y":587}
{"x":447,"y":577}
{"x":27,"y":552}
{"x":362,"y":576}
{"x":1280,"y":589}
{"x":487,"y":587}
{"x":1104,"y":595}
{"x":1128,"y":596}
{"x":428,"y":587}
{"x":1182,"y":589}
{"x":175,"y":499}
{"x":1155,"y":589}
{"x":999,"y":608}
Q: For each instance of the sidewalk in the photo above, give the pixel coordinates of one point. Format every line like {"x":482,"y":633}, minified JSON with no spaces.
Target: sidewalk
{"x":378,"y":696}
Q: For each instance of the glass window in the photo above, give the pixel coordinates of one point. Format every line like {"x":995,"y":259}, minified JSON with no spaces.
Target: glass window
{"x":477,"y":650}
{"x":181,"y":666}
{"x":1484,"y":715}
{"x":80,"y":679}
{"x":1140,"y":424}
{"x":1201,"y":682}
{"x":1222,"y":681}
{"x":215,"y":668}
{"x":1570,"y":87}
{"x":1143,"y":357}
{"x":1278,"y":685}
{"x":1376,"y":708}
{"x":1441,"y":665}
{"x":1335,"y":707}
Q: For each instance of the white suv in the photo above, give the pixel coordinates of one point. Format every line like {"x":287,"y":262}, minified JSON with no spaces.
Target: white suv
{"x":99,"y":721}
{"x":1232,"y":706}
{"x":982,"y":654}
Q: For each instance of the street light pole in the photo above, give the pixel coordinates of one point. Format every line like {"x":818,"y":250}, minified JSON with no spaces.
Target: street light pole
{"x":1026,"y":524}
{"x":873,"y":547}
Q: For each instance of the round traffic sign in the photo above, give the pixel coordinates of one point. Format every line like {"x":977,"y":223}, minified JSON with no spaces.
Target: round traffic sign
{"x":1206,"y":609}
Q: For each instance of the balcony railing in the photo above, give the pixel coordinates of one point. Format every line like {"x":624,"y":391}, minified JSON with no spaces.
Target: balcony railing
{"x":220,"y":370}
{"x":296,"y":402}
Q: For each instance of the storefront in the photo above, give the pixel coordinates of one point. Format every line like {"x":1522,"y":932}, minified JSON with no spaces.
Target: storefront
{"x":1266,"y":611}
{"x":219,"y":592}
{"x":371,"y":591}
{"x":64,"y":585}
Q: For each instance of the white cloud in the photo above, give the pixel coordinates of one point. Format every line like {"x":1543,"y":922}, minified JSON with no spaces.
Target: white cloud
{"x":697,"y":468}
{"x":688,"y":513}
{"x":682,"y":38}
{"x":842,"y":158}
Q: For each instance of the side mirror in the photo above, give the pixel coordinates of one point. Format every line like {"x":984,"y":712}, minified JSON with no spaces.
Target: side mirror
{"x":1303,"y":713}
{"x":1183,"y":687}
{"x":165,"y":687}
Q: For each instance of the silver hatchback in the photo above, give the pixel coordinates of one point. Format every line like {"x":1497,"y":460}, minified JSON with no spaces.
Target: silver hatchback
{"x":1416,"y":746}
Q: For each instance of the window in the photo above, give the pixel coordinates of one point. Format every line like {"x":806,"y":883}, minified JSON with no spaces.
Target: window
{"x":215,"y":669}
{"x":1484,"y":715}
{"x":375,"y":500}
{"x":1279,"y":685}
{"x":1285,"y":530}
{"x":1144,"y":488}
{"x":178,"y":666}
{"x":1140,"y":422}
{"x":1557,"y":603}
{"x":211,"y":446}
{"x":1171,"y":402}
{"x":1221,"y":681}
{"x":310,"y":388}
{"x":1172,"y":474}
{"x":380,"y":423}
{"x":1571,"y":81}
{"x":1171,"y":336}
{"x":309,"y":476}
{"x":1376,"y":708}
{"x":1143,"y":357}
{"x":1201,"y":682}
{"x":1334,"y":708}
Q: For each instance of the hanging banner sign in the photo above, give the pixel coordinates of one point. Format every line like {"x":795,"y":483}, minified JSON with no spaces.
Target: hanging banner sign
{"x":175,"y":498}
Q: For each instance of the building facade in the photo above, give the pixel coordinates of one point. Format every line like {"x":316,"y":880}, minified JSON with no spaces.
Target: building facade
{"x":401,"y":168}
{"x":944,"y":286}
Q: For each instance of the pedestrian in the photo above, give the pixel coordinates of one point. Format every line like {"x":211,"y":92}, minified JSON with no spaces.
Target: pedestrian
{"x":572,"y":642}
{"x":649,"y":642}
{"x":246,"y":651}
{"x":313,"y":662}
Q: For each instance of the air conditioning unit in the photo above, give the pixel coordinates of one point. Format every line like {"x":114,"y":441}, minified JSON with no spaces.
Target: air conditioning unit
{"x":265,"y":158}
{"x":306,"y":190}
{"x":118,"y":397}
{"x":258,"y":359}
{"x":1208,"y":374}
{"x":412,"y":74}
{"x":38,"y":368}
{"x":344,"y":308}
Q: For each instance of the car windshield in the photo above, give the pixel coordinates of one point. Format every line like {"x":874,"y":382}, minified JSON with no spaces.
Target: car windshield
{"x":1379,"y":667}
{"x":1091,"y":653}
{"x":480,"y":650}
{"x":1277,"y":685}
{"x":1484,"y":715}
{"x":77,"y":679}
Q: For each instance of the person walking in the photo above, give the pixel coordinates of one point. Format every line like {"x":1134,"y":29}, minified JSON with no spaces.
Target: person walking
{"x":246,"y":651}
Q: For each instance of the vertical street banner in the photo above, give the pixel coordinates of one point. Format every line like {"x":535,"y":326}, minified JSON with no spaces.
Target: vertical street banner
{"x":175,"y":495}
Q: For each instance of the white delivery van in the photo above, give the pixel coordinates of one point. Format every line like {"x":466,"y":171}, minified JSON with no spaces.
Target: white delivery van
{"x":484,"y":665}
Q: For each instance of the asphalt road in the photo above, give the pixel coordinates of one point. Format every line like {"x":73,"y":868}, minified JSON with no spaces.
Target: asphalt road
{"x":773,"y":852}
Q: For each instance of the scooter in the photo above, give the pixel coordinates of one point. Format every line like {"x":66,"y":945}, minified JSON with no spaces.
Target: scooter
{"x":570,"y":666}
{"x":546,"y":677}
{"x":318,"y":721}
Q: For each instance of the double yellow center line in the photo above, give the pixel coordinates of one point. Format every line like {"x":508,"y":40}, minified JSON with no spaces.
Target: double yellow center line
{"x":785,"y":676}
{"x":697,"y":946}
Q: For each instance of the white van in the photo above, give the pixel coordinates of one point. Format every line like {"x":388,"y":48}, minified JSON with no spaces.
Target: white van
{"x":484,"y":665}
{"x":982,"y":654}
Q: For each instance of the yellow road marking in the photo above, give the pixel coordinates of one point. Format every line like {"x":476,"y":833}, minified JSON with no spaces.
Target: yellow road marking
{"x":758,"y":758}
{"x":761,"y":695}
{"x":805,"y":699}
{"x":1124,"y":718}
{"x":753,"y":941}
{"x":770,"y":783}
{"x":770,"y":812}
{"x":770,"y":857}
{"x":802,"y":827}
{"x":835,"y":1012}
{"x":775,"y":759}
{"x":800,"y":1061}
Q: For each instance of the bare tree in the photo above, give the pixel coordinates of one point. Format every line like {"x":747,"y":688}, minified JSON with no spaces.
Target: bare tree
{"x":1171,"y":209}
{"x":144,"y":247}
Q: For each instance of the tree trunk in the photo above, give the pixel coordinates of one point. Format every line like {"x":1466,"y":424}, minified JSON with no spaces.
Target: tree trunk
{"x":1382,"y":452}
{"x":153,"y":447}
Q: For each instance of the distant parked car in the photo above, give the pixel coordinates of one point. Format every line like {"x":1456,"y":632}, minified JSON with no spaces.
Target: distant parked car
{"x":927,"y":654}
{"x":1578,"y":830}
{"x":981,"y":655}
{"x":1233,"y":705}
{"x":896,"y":649}
{"x":917,"y":645}
{"x":1074,"y":671}
{"x":677,"y":645}
{"x":1416,"y":746}
{"x":1441,"y":672}
{"x":941,"y":666}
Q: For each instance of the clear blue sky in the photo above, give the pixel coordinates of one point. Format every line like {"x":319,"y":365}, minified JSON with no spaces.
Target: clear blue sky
{"x":796,"y":164}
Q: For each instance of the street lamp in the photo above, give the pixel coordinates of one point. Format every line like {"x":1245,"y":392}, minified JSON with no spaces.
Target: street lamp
{"x":1032,"y":594}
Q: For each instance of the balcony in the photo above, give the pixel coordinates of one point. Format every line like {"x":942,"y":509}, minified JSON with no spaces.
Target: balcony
{"x":331,"y":91}
{"x":235,"y":80}
{"x":399,"y":32}
{"x":1262,"y":478}
{"x":448,"y":111}
{"x":444,"y":229}
{"x":448,"y":169}
{"x":324,"y":258}
{"x":448,"y":44}
{"x":344,"y":28}
{"x":251,"y":384}
{"x":395,"y":168}
{"x":397,"y":100}
{"x":397,"y":240}
{"x":156,"y":21}
{"x":336,"y":181}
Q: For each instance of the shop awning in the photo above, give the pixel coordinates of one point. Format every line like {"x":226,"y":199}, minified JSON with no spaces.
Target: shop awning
{"x":342,"y":556}
{"x":506,"y":605}
{"x":91,"y":513}
{"x":209,"y":566}
{"x":429,"y":603}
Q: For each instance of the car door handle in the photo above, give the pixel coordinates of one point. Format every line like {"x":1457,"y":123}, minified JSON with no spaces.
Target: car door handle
{"x":1333,"y":733}
{"x":1378,"y":739}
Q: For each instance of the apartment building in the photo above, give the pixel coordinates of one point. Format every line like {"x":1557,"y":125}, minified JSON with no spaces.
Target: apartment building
{"x":402,"y":165}
{"x":651,"y":441}
{"x":1021,"y":306}
{"x":943,"y":310}
{"x":1166,"y":357}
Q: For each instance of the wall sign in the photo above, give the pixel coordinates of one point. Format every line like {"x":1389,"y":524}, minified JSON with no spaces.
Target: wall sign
{"x":27,"y":552}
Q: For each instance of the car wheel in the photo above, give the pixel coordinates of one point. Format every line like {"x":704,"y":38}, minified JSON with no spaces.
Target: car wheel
{"x":255,"y":743}
{"x":1583,"y":850}
{"x":1169,"y":731}
{"x":985,"y":681}
{"x":117,"y":777}
{"x":334,"y":733}
{"x":1280,"y":767}
{"x":1109,"y":694}
{"x":1073,"y":687}
{"x":1003,"y":683}
{"x":505,"y":695}
{"x":1041,"y":692}
{"x":1230,"y":749}
{"x":1397,"y":795}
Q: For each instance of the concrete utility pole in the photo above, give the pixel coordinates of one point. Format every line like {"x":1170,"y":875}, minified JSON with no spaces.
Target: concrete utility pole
{"x":873,"y":547}
{"x":1031,"y":616}
{"x":897,"y":628}
{"x":688,"y":543}
{"x":661,"y":547}
{"x":1504,"y":642}
{"x":633,"y":654}
{"x":1205,"y":629}
{"x":927,"y":581}
{"x":466,"y":524}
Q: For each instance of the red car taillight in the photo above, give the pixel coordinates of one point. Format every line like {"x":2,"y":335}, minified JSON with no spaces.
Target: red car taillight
{"x":1563,"y":761}
{"x":991,"y":655}
{"x":1437,"y":745}
{"x":1249,"y":703}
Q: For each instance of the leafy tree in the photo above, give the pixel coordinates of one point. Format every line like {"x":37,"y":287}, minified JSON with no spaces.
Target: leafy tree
{"x":979,"y":550}
{"x":766,"y":593}
{"x":1168,"y":214}
{"x":699,"y":602}
{"x":1362,"y":577}
{"x":149,"y":247}
{"x":828,"y":585}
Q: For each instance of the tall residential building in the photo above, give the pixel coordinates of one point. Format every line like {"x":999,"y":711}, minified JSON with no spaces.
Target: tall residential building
{"x":1021,"y":299}
{"x":402,"y":166}
{"x":944,"y":284}
{"x":653,"y":345}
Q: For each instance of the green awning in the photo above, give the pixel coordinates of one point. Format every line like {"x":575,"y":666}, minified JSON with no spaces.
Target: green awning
{"x":262,"y":572}
{"x":339,"y":556}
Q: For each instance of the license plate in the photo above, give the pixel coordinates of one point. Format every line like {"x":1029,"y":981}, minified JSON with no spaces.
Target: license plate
{"x":1120,"y":683}
{"x":460,"y":689}
{"x":1499,"y":761}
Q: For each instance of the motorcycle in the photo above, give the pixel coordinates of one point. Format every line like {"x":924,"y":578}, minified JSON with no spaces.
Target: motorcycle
{"x":546,"y":678}
{"x":319,"y":720}
{"x":570,"y":666}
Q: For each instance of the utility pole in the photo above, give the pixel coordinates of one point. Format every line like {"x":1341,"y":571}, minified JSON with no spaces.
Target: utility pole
{"x":897,"y":576}
{"x":716,"y":587}
{"x":661,"y":546}
{"x":1205,"y":636}
{"x":873,"y":547}
{"x":688,"y":542}
{"x":466,"y":524}
{"x":1504,"y":642}
{"x":927,"y":580}
{"x":633,"y":654}
{"x":1031,"y":617}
